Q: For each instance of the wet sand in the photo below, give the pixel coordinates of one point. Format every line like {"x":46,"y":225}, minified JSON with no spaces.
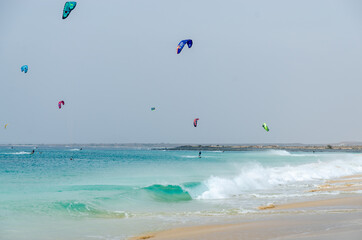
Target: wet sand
{"x":292,"y":227}
{"x":346,"y":184}
{"x":334,"y":218}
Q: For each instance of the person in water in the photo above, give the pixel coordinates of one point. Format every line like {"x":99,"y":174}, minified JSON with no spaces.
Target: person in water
{"x":200,"y":154}
{"x":32,"y":152}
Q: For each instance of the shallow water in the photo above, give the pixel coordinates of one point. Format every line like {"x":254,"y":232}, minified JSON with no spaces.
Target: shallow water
{"x":113,"y":194}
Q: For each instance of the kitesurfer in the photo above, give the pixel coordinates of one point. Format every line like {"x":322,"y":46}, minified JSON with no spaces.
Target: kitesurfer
{"x":199,"y":154}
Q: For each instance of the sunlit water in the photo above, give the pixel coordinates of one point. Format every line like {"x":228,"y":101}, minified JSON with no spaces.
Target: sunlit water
{"x":114,"y":194}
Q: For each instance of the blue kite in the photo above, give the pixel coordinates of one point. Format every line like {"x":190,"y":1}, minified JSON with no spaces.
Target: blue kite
{"x":181,"y":45}
{"x":68,"y":7}
{"x":24,"y":68}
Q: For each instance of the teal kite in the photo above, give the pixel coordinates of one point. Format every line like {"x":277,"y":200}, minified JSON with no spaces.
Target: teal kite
{"x":68,"y":7}
{"x":24,"y":68}
{"x":153,"y":108}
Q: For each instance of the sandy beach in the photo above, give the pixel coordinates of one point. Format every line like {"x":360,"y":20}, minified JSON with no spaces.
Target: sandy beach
{"x":332,"y":218}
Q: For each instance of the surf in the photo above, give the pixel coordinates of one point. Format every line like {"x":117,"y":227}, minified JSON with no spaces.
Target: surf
{"x":255,"y":176}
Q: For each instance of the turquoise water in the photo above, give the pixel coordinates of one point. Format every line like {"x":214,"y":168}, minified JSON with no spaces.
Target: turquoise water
{"x":114,"y":194}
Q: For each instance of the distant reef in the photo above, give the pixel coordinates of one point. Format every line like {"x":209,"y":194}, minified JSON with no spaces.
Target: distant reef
{"x":306,"y":148}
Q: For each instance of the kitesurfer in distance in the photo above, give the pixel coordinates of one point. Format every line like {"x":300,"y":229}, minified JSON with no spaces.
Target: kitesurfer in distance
{"x":199,"y":154}
{"x":32,"y":152}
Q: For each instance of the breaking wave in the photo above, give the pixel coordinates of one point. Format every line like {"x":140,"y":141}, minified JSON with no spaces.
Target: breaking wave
{"x":18,"y":153}
{"x":257,"y":177}
{"x":167,"y":193}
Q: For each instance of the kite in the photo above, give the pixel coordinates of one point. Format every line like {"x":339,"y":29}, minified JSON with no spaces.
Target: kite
{"x":181,"y":45}
{"x":195,"y":122}
{"x":265,"y":127}
{"x":60,"y":104}
{"x":68,"y":7}
{"x":24,"y":68}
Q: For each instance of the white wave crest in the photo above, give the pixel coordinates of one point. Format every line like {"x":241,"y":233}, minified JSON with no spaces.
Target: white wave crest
{"x":286,"y":153}
{"x":190,"y":156}
{"x":279,"y":152}
{"x":20,"y":153}
{"x":257,"y":177}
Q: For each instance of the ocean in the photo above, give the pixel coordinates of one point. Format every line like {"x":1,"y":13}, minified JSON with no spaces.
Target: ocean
{"x":99,"y":193}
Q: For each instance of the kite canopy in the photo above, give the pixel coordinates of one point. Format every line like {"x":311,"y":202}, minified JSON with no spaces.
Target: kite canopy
{"x":153,"y":108}
{"x":60,"y":104}
{"x":24,"y":68}
{"x":195,"y":122}
{"x":181,"y":45}
{"x":265,"y":127}
{"x":5,"y":126}
{"x":68,"y":7}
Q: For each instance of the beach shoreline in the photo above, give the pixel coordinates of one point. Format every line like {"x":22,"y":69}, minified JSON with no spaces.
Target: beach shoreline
{"x":332,"y":218}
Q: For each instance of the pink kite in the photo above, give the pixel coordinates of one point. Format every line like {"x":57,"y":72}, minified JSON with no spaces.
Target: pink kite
{"x":60,"y":104}
{"x":195,"y":122}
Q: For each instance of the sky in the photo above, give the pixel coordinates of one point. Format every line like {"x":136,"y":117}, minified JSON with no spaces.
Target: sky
{"x":295,"y":65}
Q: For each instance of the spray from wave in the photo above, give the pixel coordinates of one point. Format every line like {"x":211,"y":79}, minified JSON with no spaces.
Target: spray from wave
{"x":18,"y":153}
{"x":256,"y":177}
{"x":74,"y":149}
{"x":285,"y":153}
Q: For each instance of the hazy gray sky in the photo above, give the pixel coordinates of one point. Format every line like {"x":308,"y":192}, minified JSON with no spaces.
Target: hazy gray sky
{"x":296,"y":65}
